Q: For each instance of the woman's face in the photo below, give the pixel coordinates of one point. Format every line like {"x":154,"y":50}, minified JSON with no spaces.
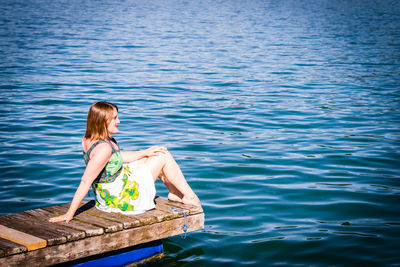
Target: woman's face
{"x":113,"y":124}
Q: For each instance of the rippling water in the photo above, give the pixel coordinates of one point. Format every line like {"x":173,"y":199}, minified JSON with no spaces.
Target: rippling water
{"x":284,"y":116}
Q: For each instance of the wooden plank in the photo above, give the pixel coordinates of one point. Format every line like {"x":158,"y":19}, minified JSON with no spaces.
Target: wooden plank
{"x":108,"y":225}
{"x":127,"y":221}
{"x":154,"y":216}
{"x":8,"y":247}
{"x":69,"y":233}
{"x":165,"y":204}
{"x":53,"y":233}
{"x":82,"y":228}
{"x":18,"y":222}
{"x":29,"y":241}
{"x":107,"y":242}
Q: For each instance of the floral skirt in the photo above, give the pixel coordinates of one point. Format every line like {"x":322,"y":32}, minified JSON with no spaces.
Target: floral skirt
{"x":132,"y":192}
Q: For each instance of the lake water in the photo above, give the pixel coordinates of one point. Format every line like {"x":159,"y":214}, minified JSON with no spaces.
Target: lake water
{"x":284,"y":116}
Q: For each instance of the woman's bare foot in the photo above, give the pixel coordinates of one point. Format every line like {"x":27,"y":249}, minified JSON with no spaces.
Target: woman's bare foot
{"x":191,"y":200}
{"x":173,"y":197}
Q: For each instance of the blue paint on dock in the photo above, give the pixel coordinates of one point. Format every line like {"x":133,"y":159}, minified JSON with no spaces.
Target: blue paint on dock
{"x":122,"y":257}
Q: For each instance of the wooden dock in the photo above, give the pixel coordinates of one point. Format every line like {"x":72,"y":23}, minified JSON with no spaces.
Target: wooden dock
{"x":28,"y":238}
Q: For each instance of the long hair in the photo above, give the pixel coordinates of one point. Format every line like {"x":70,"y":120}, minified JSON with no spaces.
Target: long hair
{"x":100,"y":114}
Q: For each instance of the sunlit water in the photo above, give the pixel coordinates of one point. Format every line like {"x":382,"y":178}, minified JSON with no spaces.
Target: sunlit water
{"x":284,"y":116}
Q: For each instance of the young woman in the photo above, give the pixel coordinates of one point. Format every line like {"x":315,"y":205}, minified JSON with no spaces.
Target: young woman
{"x":123,"y":181}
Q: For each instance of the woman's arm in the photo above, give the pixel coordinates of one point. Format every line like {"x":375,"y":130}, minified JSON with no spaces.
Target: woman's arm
{"x":100,"y":156}
{"x":129,"y":156}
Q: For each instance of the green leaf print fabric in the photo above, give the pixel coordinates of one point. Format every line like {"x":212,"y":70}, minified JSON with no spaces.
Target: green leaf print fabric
{"x":122,"y":200}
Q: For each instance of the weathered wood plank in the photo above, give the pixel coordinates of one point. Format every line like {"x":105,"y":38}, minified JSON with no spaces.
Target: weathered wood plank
{"x":27,"y":220}
{"x":82,"y":229}
{"x":8,"y":247}
{"x":154,"y":216}
{"x":20,"y":223}
{"x":29,"y":241}
{"x":128,"y":221}
{"x":89,"y":229}
{"x":69,"y":233}
{"x":165,"y":204}
{"x":108,"y":225}
{"x":107,"y":242}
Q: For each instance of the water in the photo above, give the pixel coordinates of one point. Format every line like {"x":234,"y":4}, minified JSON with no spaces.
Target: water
{"x":284,"y":116}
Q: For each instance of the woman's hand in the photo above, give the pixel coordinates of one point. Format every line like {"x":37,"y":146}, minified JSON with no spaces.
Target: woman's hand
{"x":130,"y":156}
{"x":61,"y":218}
{"x":155,"y":151}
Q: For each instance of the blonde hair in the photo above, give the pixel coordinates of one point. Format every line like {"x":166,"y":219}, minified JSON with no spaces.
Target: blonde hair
{"x":100,"y":114}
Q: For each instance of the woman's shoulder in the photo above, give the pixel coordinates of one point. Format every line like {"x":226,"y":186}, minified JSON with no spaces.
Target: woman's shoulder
{"x":89,"y":145}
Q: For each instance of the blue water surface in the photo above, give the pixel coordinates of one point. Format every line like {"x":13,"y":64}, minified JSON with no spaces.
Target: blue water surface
{"x":284,"y":116}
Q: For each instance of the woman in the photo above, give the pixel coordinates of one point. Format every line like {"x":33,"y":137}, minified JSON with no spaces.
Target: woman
{"x":123,"y":181}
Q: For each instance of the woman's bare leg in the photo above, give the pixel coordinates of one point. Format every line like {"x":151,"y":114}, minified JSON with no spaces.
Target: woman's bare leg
{"x":165,"y":167}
